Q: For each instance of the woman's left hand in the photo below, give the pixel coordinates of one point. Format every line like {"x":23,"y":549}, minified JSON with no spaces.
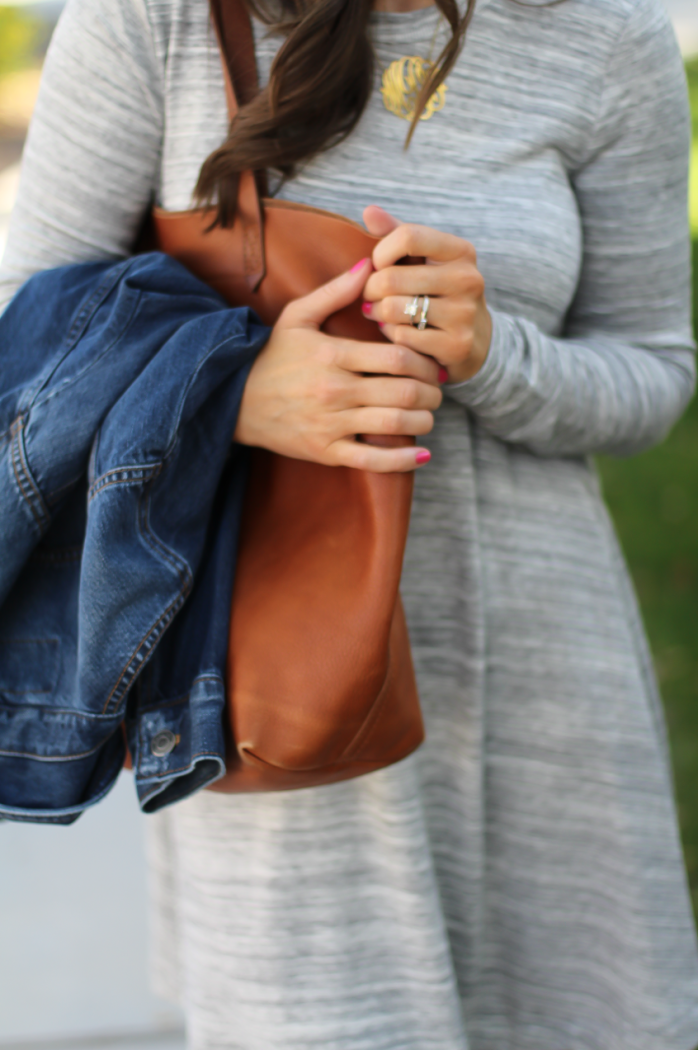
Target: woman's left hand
{"x":459,"y":324}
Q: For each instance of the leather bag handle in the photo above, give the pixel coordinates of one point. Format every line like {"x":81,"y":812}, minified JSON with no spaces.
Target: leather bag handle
{"x":236,"y":42}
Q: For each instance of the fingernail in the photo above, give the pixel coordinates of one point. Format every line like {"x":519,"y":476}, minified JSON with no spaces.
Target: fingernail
{"x":443,"y":374}
{"x":357,"y":266}
{"x":423,"y":456}
{"x":366,"y":309}
{"x":381,"y":324}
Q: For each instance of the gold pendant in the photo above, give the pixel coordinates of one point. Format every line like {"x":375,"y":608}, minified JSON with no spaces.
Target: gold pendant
{"x":402,"y":82}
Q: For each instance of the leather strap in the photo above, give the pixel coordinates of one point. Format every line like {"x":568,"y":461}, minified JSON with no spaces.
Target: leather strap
{"x":234,"y":29}
{"x":236,"y":41}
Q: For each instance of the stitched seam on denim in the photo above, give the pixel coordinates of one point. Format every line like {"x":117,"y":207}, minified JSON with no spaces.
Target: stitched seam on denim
{"x":131,"y":469}
{"x":133,"y":480}
{"x":155,"y":543}
{"x":75,"y":331}
{"x":129,"y":673}
{"x":126,"y":679}
{"x":53,"y":758}
{"x":180,"y":769}
{"x":132,"y":475}
{"x":22,"y":473}
{"x":16,"y":468}
{"x":23,"y":477}
{"x":94,"y":717}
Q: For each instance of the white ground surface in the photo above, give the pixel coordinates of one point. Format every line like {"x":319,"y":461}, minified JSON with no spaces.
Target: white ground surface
{"x":73,"y":951}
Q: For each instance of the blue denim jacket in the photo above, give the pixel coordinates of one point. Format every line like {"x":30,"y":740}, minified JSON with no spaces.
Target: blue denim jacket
{"x":120,"y":494}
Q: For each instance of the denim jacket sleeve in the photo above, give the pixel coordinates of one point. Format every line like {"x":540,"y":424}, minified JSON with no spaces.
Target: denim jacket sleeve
{"x":120,"y":494}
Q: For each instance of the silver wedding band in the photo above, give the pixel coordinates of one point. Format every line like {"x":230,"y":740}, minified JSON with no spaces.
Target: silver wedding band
{"x":413,"y":308}
{"x":423,"y":320}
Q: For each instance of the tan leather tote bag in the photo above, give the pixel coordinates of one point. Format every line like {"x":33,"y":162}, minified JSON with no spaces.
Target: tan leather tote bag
{"x":320,"y":683}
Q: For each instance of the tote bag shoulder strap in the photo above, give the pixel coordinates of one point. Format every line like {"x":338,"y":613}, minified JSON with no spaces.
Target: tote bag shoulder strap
{"x":234,"y":29}
{"x":235,"y":39}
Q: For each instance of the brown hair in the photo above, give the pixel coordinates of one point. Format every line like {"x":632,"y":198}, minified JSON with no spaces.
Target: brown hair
{"x":320,"y":82}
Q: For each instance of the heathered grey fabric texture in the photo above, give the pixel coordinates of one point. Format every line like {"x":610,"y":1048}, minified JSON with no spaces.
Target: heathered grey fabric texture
{"x":518,"y":883}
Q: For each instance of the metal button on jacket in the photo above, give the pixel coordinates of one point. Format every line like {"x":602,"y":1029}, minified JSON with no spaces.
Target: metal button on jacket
{"x":163,"y":742}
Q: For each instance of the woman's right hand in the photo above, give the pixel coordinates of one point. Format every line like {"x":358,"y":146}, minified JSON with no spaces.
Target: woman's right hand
{"x":308,"y":394}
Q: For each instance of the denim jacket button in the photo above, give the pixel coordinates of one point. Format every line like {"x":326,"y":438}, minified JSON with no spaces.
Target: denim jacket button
{"x":163,"y":742}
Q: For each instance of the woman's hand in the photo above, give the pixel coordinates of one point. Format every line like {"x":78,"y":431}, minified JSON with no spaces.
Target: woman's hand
{"x":460,"y":326}
{"x":308,"y":397}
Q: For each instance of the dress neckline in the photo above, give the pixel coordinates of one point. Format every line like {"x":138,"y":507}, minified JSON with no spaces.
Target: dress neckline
{"x":421,"y":16}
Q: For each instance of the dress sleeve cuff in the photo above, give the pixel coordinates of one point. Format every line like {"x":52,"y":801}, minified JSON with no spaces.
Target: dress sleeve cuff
{"x":484,"y":387}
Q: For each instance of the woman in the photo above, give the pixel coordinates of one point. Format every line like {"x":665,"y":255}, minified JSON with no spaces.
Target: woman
{"x":517,"y":884}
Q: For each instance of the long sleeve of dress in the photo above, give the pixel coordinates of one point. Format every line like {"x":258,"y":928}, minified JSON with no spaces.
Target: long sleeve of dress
{"x":93,"y":150}
{"x":624,"y":369}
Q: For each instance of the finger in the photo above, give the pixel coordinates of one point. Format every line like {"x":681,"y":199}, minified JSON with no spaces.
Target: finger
{"x":312,"y":310}
{"x":384,"y":359}
{"x":360,"y":456}
{"x":410,"y":239}
{"x":378,"y":221}
{"x":394,"y":393}
{"x":440,"y":345}
{"x":459,"y":278}
{"x":383,"y":420}
{"x":442,"y":312}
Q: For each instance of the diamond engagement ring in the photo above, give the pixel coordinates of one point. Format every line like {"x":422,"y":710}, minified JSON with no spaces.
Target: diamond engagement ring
{"x":412,"y":309}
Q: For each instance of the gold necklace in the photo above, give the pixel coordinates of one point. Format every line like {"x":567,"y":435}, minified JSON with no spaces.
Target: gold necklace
{"x":403,"y":80}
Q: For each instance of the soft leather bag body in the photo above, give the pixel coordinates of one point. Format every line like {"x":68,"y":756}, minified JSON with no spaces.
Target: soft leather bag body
{"x":320,"y":682}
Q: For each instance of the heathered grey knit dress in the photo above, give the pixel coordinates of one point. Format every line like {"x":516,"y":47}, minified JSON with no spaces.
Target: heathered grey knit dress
{"x":518,"y":883}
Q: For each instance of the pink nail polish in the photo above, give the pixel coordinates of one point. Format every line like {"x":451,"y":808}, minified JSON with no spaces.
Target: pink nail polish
{"x":423,"y":456}
{"x":381,"y":324}
{"x":366,"y":309}
{"x":443,"y":374}
{"x":357,"y":266}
